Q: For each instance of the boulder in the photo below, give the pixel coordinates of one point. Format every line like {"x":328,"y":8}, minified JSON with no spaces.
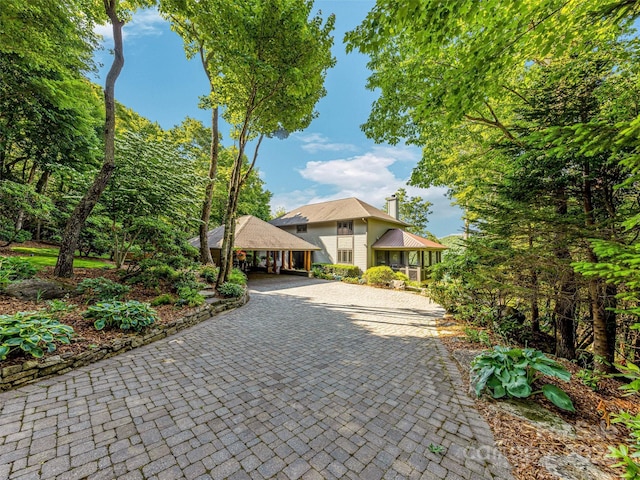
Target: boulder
{"x":37,"y":289}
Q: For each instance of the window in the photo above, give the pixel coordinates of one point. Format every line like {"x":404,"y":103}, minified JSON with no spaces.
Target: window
{"x":414,"y":258}
{"x":301,"y":228}
{"x":345,"y":228}
{"x":345,"y":256}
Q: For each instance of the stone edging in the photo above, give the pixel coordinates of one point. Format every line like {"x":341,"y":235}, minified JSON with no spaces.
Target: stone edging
{"x":15,"y":376}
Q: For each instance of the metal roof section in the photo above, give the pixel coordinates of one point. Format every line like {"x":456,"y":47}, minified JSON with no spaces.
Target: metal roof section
{"x":335,"y":210}
{"x":395,"y":238}
{"x":253,"y":233}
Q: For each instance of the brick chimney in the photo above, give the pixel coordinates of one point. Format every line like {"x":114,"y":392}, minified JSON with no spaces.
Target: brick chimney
{"x":392,"y":206}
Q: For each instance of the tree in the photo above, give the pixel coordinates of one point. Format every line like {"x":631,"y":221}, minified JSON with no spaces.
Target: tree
{"x":274,"y":62}
{"x":152,"y":184}
{"x":195,"y":21}
{"x":523,"y":126}
{"x":116,"y":12}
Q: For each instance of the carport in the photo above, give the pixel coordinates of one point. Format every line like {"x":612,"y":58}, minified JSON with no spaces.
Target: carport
{"x":272,"y":249}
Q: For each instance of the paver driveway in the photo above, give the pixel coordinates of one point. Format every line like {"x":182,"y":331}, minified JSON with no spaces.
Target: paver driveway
{"x":311,"y":379}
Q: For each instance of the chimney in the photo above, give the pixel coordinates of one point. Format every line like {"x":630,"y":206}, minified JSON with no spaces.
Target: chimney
{"x":392,"y":206}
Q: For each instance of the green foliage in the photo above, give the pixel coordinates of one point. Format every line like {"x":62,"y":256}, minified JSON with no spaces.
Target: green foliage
{"x":101,"y":289}
{"x":330,"y":271}
{"x":31,"y":332}
{"x":57,"y":308}
{"x":628,"y":454}
{"x":589,"y":378}
{"x":477,"y":336}
{"x":130,"y":315}
{"x":188,"y":279}
{"x":380,"y":276}
{"x":512,"y":372}
{"x":414,"y":211}
{"x":352,"y":280}
{"x":209,"y":273}
{"x":16,"y":268}
{"x":401,"y":276}
{"x":433,"y":448}
{"x":164,"y":299}
{"x":151,"y":272}
{"x":189,"y":296}
{"x":237,"y":276}
{"x":231,"y":290}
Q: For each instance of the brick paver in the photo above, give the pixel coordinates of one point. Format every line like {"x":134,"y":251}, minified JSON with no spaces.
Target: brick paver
{"x":310,"y":379}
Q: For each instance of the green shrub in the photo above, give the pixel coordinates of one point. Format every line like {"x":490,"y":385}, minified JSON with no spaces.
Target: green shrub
{"x":209,"y":273}
{"x":131,"y":315}
{"x":342,"y":270}
{"x":57,"y":308}
{"x":189,"y":296}
{"x":164,"y":299}
{"x":16,"y":268}
{"x":511,"y":373}
{"x":177,"y":262}
{"x":237,"y":276}
{"x":187,"y":279}
{"x":355,"y":281}
{"x":231,"y":290}
{"x":590,"y":378}
{"x":401,"y":276}
{"x":31,"y":332}
{"x":100,"y":289}
{"x":477,"y":336}
{"x":151,"y":272}
{"x":381,"y":275}
{"x":628,"y":454}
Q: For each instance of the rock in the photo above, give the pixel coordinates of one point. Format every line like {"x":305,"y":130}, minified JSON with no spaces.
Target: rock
{"x":573,"y":467}
{"x":397,"y":284}
{"x":536,"y":415}
{"x":37,"y":289}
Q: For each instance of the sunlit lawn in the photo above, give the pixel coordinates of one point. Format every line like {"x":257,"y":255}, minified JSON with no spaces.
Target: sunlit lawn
{"x":44,"y":257}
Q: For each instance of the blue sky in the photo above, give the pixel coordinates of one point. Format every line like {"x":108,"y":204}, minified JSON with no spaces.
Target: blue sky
{"x":331,"y":159}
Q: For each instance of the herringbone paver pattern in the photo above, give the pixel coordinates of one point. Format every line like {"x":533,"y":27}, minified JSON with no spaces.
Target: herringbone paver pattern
{"x":311,"y":380}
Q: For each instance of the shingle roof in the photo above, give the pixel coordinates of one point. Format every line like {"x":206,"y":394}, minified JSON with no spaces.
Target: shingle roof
{"x":395,"y":238}
{"x":255,"y":234}
{"x":344,"y":209}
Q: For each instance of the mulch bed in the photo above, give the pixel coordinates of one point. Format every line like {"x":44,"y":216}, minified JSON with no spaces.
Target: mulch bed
{"x":525,"y":444}
{"x":85,"y":336}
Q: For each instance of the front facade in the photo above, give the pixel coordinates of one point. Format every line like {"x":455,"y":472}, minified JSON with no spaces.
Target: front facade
{"x":350,"y":231}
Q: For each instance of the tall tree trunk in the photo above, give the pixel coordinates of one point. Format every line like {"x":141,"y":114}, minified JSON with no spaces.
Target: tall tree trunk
{"x":535,"y":310}
{"x":565,"y":307}
{"x":71,"y":235}
{"x":205,"y":252}
{"x":603,"y":358}
{"x":235,"y":184}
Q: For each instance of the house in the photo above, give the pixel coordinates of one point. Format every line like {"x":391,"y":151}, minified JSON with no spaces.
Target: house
{"x":267,"y":246}
{"x":350,"y":231}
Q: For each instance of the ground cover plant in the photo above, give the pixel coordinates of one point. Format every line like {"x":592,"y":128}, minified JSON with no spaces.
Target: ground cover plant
{"x":32,"y":332}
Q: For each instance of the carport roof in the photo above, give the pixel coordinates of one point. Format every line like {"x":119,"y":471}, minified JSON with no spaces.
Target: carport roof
{"x":255,"y":234}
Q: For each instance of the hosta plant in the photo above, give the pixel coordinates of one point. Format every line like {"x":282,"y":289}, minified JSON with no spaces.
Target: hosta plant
{"x":131,"y":315}
{"x":32,"y":332}
{"x":231,"y":290}
{"x":101,"y":288}
{"x":510,"y":373}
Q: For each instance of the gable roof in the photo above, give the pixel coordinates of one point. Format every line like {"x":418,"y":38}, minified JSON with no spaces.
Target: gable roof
{"x":343,"y":209}
{"x":394,"y":238}
{"x":255,"y":234}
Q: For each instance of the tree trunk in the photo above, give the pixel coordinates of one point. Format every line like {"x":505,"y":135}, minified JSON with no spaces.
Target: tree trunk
{"x":565,"y":307}
{"x":71,"y":235}
{"x":205,"y":252}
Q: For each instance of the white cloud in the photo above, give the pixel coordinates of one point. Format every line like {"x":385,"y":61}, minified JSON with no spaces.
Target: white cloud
{"x":144,"y":23}
{"x":369,"y":178}
{"x":316,"y":142}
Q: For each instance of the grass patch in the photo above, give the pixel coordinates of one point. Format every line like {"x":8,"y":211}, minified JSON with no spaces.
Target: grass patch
{"x":45,"y":257}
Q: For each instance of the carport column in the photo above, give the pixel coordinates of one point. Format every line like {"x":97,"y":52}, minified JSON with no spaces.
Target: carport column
{"x":290,"y":260}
